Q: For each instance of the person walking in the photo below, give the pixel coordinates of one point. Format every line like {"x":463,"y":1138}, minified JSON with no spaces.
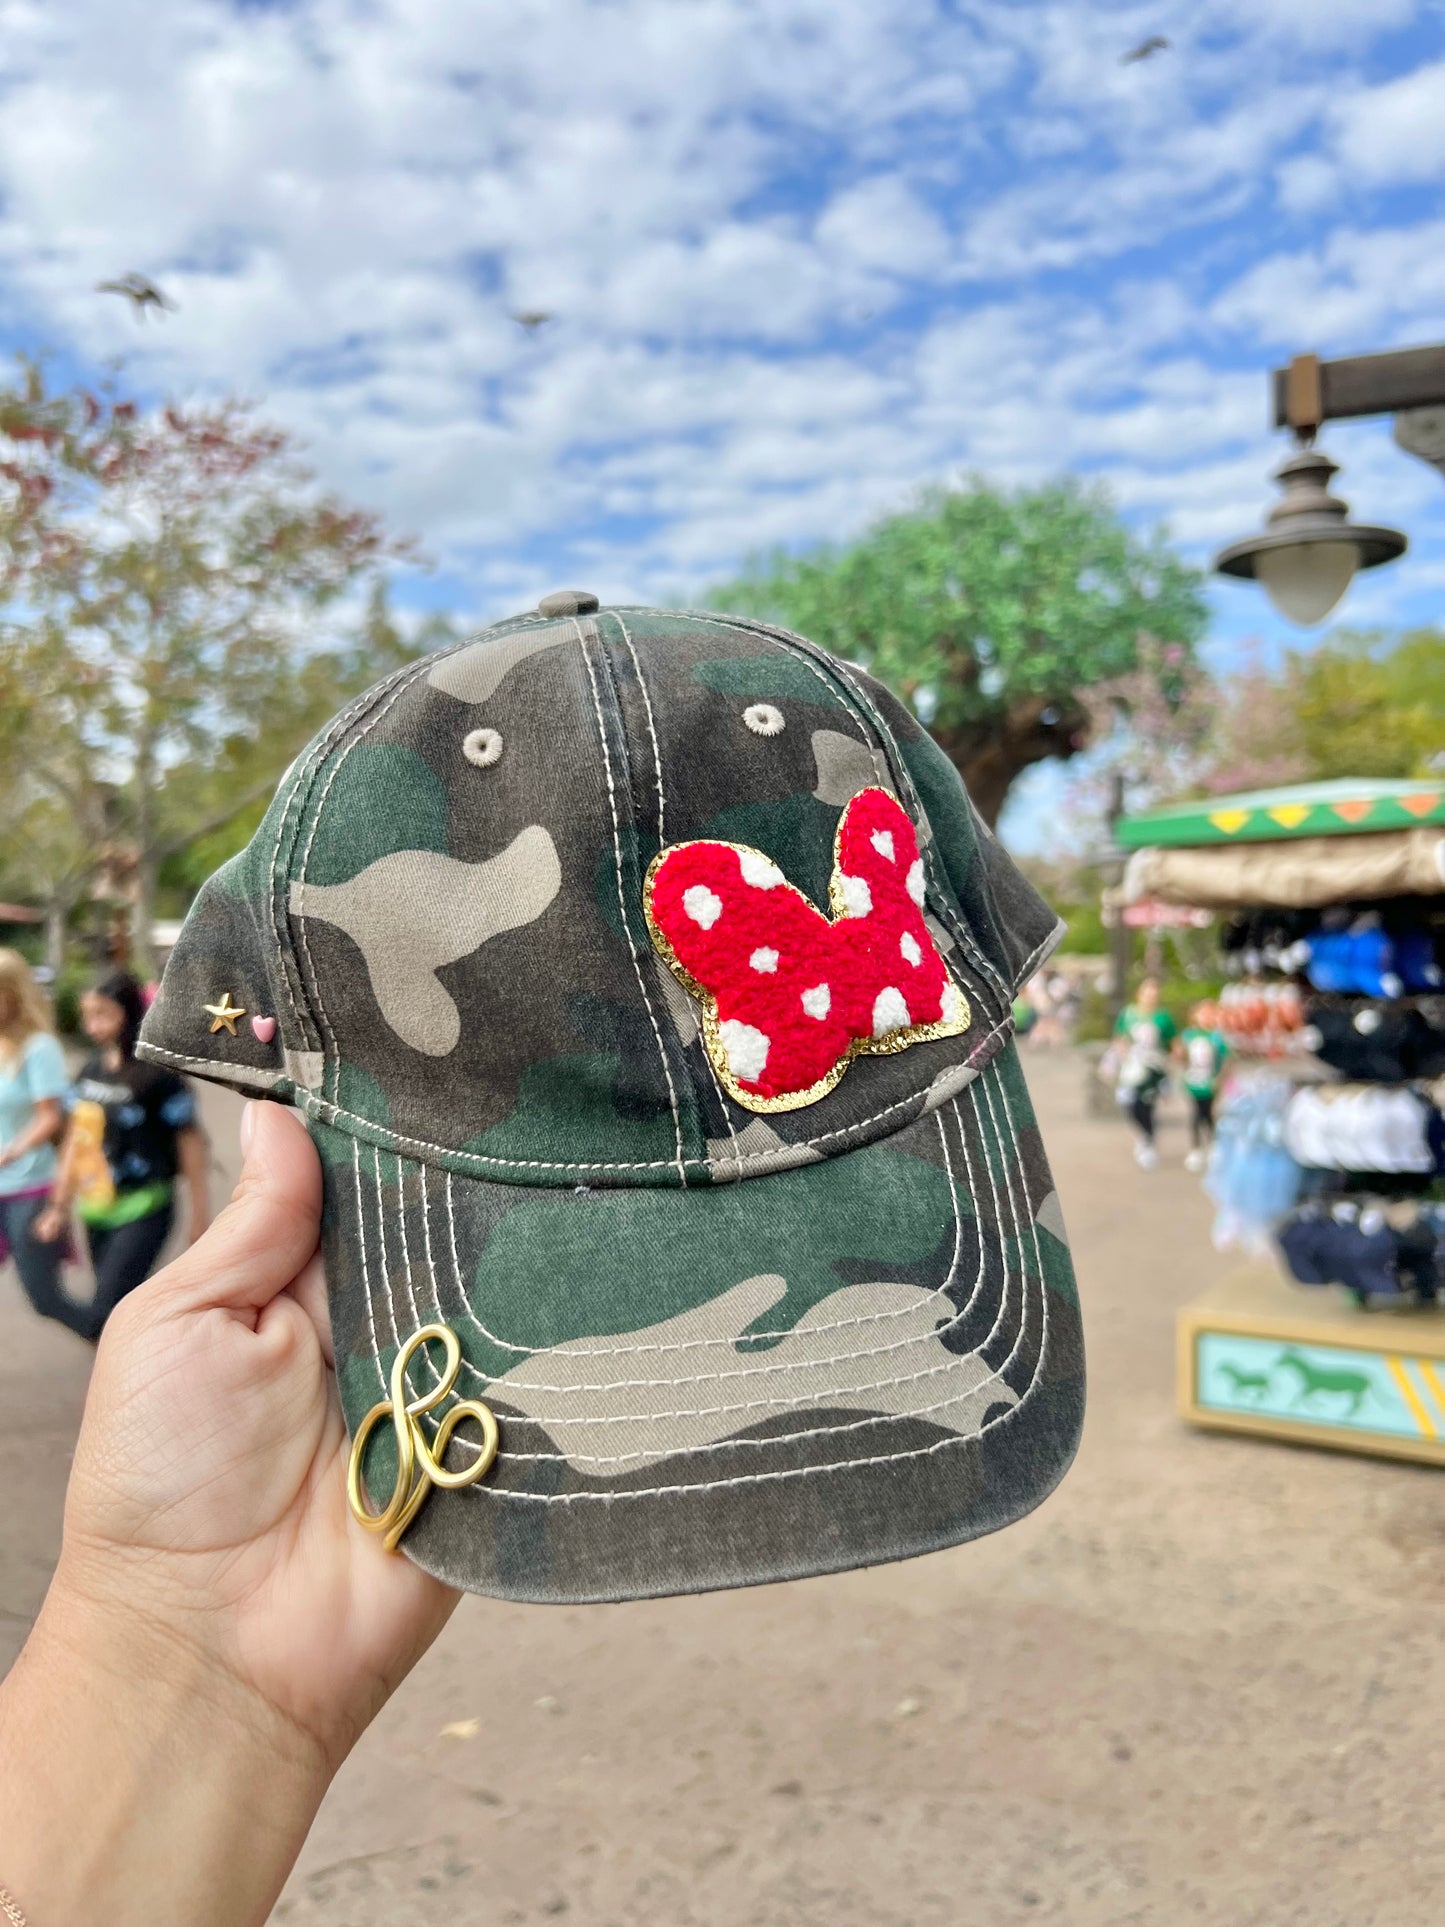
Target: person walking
{"x":143,"y":1121}
{"x":33,"y":1086}
{"x":1203,"y":1050}
{"x":1146,"y":1034}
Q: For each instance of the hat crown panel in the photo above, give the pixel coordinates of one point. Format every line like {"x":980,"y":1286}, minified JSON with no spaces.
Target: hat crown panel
{"x":463,"y":926}
{"x":444,"y":909}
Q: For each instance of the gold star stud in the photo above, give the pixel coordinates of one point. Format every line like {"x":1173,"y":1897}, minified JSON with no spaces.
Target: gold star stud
{"x":225,"y":1014}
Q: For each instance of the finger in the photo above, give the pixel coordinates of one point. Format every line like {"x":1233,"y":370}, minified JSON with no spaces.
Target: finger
{"x":266,"y":1234}
{"x":309,"y":1291}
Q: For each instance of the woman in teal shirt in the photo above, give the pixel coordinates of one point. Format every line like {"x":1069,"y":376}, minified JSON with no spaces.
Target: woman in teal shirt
{"x":33,"y":1085}
{"x":150,"y":1136}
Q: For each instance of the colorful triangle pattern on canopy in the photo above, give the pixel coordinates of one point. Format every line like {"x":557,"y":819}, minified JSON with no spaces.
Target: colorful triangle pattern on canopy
{"x":1348,"y":807}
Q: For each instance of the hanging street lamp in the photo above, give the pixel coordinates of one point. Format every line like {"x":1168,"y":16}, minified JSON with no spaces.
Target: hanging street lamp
{"x":1309,"y":550}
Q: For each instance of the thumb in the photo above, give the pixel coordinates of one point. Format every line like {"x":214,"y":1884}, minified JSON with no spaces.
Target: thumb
{"x":269,"y":1230}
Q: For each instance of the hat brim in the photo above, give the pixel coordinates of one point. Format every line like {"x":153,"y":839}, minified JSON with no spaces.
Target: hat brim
{"x":860,"y":1359}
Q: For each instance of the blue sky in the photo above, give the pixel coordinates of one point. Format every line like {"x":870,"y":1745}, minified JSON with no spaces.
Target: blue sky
{"x":803,"y":255}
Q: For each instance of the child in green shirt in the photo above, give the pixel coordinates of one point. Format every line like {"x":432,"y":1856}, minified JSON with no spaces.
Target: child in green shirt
{"x":1147,"y":1034}
{"x":1202,"y":1050}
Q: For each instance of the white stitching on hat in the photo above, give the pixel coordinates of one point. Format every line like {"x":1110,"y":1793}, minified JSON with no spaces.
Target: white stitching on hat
{"x":381,"y":1234}
{"x":332,"y":1112}
{"x":930,"y":850}
{"x":852,"y":1464}
{"x":431,"y":1266}
{"x":317,"y":1107}
{"x":705,"y":1344}
{"x":1040,"y":950}
{"x":662,"y":839}
{"x":784,"y":637}
{"x":305,"y":776}
{"x":840,"y":1359}
{"x":380,"y":696}
{"x":788,"y":1472}
{"x":681,"y":1160}
{"x":651,"y":731}
{"x":801,"y":1404}
{"x":365,"y":1266}
{"x":327,"y":1032}
{"x":216,"y":1068}
{"x":417,"y":1320}
{"x":802,"y":651}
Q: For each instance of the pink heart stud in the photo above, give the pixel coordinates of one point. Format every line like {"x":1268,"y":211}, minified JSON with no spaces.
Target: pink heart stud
{"x":264,"y":1028}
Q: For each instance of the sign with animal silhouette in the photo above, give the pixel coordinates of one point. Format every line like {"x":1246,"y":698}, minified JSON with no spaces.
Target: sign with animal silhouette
{"x":1314,"y":1385}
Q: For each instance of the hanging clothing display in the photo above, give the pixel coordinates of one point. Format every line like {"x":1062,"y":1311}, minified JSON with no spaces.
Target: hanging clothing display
{"x":1368,"y":1043}
{"x":1373,"y":1247}
{"x":1252,"y":1175}
{"x":1360,"y":1127}
{"x":1330,"y":1133}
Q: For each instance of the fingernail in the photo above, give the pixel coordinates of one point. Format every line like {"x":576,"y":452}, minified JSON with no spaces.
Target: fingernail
{"x":248,"y":1126}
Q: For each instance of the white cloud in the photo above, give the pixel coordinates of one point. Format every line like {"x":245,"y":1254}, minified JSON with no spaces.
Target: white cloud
{"x":1396,"y":132}
{"x":1308,"y":184}
{"x":802,"y":255}
{"x":882,"y":224}
{"x":1359,"y":287}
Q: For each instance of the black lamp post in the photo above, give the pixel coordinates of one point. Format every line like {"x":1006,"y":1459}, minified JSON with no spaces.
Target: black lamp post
{"x":1309,"y":550}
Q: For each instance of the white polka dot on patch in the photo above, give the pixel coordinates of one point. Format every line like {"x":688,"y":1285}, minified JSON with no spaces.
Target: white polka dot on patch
{"x":882,"y":841}
{"x":857,"y":897}
{"x":765,"y":960}
{"x":765,"y":719}
{"x":911,"y":947}
{"x":482,"y":747}
{"x":818,"y":1001}
{"x":955,"y":1011}
{"x":890,"y":1012}
{"x":747,"y":1050}
{"x":704,"y":906}
{"x":759,"y":870}
{"x":915,"y":885}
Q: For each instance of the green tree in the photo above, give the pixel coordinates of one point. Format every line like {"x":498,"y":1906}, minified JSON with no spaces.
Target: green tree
{"x":220,"y":802}
{"x":59,"y":815}
{"x":1366,"y":704}
{"x":165,"y":576}
{"x":991,"y":613}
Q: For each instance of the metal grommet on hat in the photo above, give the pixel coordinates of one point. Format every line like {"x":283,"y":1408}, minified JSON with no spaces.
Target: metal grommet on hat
{"x":685,"y":1221}
{"x":568,"y":602}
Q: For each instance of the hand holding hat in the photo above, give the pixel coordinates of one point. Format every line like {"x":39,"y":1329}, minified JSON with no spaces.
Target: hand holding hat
{"x":212,"y":1593}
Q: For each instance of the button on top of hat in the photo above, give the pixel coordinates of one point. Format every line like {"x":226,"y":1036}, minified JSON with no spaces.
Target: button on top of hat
{"x":568,"y":602}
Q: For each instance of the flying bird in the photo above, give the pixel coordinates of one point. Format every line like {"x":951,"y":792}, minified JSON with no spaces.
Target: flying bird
{"x":140,"y":292}
{"x":1146,"y":49}
{"x":532,"y":319}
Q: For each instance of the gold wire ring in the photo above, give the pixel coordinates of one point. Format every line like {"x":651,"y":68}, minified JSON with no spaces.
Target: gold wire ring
{"x":418,"y":1464}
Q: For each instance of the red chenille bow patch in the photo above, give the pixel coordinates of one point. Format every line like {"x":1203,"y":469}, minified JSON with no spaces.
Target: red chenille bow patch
{"x":790,"y":996}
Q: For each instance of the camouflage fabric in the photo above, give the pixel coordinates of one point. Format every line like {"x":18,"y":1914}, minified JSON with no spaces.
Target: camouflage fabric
{"x":722,"y":1347}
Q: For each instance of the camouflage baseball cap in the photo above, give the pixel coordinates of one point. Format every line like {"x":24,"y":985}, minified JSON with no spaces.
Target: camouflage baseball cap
{"x":645,"y":979}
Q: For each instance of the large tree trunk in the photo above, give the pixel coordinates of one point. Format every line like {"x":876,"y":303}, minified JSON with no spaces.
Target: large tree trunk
{"x":989,"y":755}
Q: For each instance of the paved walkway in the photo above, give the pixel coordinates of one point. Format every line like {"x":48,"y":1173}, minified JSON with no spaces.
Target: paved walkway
{"x":1203,"y":1684}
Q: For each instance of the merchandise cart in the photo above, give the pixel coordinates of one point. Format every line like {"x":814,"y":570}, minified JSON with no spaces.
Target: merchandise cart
{"x":1261,"y":1353}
